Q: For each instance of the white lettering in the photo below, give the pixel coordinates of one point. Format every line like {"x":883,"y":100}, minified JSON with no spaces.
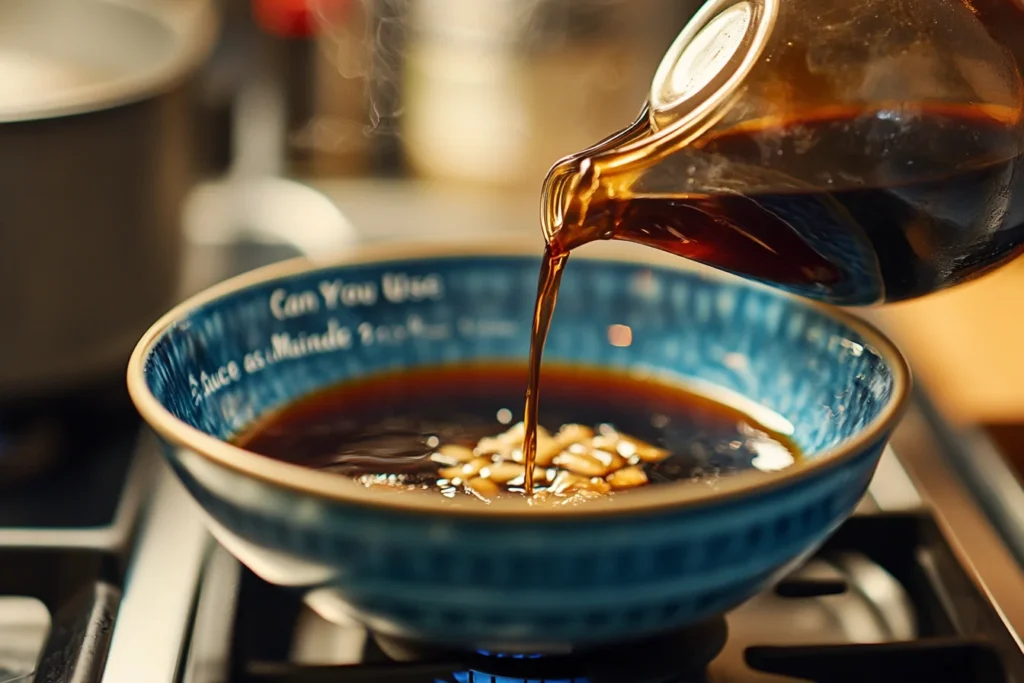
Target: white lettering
{"x":421,"y":329}
{"x":330,"y":291}
{"x":254,"y":362}
{"x":348,"y":294}
{"x":365,"y":333}
{"x":210,"y":383}
{"x":193,"y":384}
{"x":401,"y":287}
{"x":414,"y":326}
{"x":359,"y":294}
{"x":285,"y":306}
{"x":281,"y":346}
{"x":335,"y":338}
{"x":472,"y":327}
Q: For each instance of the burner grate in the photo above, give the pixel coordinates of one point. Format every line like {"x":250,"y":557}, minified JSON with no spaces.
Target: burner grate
{"x":652,"y":660}
{"x":959,"y":660}
{"x":941,"y":645}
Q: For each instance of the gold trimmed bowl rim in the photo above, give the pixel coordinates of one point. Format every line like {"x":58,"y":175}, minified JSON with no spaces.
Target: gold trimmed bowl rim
{"x":334,"y":488}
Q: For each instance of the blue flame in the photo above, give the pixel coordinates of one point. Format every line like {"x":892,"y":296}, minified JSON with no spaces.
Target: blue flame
{"x":501,"y":655}
{"x":480,"y":677}
{"x":473,"y":676}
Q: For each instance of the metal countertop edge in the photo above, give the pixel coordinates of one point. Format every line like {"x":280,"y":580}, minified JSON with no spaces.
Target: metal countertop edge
{"x":977,"y":545}
{"x":157,"y":606}
{"x":976,"y":459}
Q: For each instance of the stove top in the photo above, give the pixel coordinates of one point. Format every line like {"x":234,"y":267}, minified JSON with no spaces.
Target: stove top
{"x":107,"y":575}
{"x":869,"y":606}
{"x":917,"y":584}
{"x":65,"y":540}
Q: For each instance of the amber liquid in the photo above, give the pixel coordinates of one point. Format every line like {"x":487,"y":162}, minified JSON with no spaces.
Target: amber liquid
{"x":935,"y":200}
{"x":1004,"y":21}
{"x":551,"y":269}
{"x":384,"y":431}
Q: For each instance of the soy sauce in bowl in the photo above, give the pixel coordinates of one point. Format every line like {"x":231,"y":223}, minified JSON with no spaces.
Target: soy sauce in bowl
{"x":458,"y":431}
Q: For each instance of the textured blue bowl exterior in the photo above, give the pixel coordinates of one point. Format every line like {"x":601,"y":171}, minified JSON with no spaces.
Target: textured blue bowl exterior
{"x":518,"y":581}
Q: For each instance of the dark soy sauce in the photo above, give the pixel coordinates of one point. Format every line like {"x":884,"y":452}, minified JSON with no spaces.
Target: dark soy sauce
{"x":908,"y":202}
{"x":920,"y":204}
{"x":383,"y":431}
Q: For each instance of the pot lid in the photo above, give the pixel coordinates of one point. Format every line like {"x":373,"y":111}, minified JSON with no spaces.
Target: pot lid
{"x":63,"y":57}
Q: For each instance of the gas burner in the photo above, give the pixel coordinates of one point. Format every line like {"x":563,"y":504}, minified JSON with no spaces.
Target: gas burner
{"x":29,"y":447}
{"x":648,"y":660}
{"x":864,"y":608}
{"x":890,"y":597}
{"x":675,"y":657}
{"x":64,"y":473}
{"x":40,"y":437}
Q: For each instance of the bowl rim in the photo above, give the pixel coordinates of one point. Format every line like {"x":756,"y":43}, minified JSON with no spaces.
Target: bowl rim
{"x":298,"y":479}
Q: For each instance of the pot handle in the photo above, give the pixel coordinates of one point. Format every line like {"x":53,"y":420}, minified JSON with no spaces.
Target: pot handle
{"x":216,"y":89}
{"x":213,"y":117}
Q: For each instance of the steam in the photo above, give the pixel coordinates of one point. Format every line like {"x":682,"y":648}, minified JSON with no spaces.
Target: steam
{"x":388,"y":66}
{"x":368,"y":41}
{"x":362,"y":43}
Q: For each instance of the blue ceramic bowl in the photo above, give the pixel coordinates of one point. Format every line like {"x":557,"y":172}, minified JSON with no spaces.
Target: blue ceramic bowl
{"x":511,"y":576}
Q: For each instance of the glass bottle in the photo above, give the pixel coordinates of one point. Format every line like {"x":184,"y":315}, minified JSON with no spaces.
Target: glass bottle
{"x":853,"y":152}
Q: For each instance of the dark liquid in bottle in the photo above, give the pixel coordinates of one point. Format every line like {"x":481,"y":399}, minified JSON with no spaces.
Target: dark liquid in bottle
{"x":386,"y":430}
{"x":851,"y":207}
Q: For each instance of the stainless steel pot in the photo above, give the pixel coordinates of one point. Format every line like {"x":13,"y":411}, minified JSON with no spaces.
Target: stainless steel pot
{"x":96,"y":156}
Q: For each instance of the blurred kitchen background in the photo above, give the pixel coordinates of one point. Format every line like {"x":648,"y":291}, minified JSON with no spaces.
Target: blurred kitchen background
{"x":424,"y":117}
{"x":150,"y":138}
{"x":154,"y":147}
{"x":409,"y":119}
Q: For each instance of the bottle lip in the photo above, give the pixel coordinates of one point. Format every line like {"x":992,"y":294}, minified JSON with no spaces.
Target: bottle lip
{"x":702,"y":58}
{"x":681,"y":107}
{"x":563,"y":178}
{"x":565,"y":175}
